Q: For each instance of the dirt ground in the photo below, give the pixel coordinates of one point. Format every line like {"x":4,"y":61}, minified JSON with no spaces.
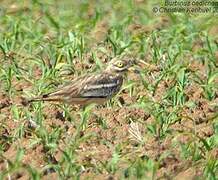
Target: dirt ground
{"x":109,"y":129}
{"x":116,"y":131}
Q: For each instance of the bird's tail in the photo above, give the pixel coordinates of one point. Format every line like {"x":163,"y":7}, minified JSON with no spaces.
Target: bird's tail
{"x":26,"y":102}
{"x":45,"y":97}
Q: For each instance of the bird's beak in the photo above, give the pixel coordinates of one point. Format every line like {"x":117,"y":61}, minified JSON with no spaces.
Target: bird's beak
{"x":144,"y":65}
{"x":136,"y":66}
{"x":134,"y":70}
{"x":140,"y":64}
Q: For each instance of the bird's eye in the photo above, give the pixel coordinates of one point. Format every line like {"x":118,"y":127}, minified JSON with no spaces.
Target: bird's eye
{"x":120,"y":64}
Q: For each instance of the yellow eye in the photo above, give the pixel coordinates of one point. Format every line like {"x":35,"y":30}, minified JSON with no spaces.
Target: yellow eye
{"x":120,"y":64}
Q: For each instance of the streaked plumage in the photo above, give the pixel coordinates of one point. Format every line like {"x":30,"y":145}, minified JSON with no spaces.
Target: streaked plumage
{"x":92,"y":88}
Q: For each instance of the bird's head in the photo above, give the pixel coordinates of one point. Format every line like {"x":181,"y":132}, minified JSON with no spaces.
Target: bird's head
{"x":120,"y":64}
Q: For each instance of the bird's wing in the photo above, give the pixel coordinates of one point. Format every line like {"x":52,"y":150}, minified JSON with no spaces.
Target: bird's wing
{"x":101,"y":86}
{"x":71,"y":89}
{"x":89,"y":86}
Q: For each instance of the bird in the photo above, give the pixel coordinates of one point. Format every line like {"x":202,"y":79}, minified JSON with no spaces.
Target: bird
{"x":93,"y":88}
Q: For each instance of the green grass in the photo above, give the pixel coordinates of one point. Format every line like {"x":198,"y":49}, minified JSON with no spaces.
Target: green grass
{"x":44,"y":44}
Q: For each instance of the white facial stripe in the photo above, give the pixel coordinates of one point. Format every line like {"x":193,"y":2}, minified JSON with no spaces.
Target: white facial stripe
{"x":99,"y":86}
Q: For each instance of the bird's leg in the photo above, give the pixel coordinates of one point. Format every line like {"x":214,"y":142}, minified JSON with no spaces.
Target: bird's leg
{"x":84,"y":108}
{"x":66,"y":112}
{"x":85,"y":114}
